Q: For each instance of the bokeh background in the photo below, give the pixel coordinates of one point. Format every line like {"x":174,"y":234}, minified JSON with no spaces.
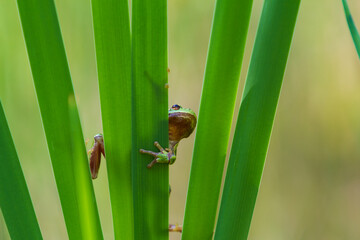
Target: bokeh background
{"x":311,"y":183}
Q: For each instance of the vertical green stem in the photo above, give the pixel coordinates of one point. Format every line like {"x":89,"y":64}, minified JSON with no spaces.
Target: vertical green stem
{"x":15,"y":201}
{"x":53,"y":86}
{"x":256,"y":116}
{"x":82,"y":184}
{"x":113,"y":54}
{"x":150,"y":118}
{"x":354,"y":32}
{"x":227,"y":43}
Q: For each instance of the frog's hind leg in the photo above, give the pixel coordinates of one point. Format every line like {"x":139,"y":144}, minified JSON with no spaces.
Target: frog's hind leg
{"x":175,"y":228}
{"x":95,"y":155}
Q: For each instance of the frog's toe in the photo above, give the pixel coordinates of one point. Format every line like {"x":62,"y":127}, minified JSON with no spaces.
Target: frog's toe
{"x":158,"y":146}
{"x":148,"y":152}
{"x":175,"y":228}
{"x":152,"y":163}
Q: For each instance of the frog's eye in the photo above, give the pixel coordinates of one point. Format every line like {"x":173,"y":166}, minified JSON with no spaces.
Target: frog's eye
{"x":175,"y":107}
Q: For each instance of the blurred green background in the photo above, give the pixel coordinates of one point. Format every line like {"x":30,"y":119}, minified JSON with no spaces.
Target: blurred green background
{"x":311,"y":183}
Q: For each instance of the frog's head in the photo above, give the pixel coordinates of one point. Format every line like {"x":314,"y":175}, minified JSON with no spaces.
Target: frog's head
{"x":182,"y":122}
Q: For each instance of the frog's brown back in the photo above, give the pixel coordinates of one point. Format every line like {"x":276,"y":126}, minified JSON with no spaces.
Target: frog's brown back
{"x":181,"y":125}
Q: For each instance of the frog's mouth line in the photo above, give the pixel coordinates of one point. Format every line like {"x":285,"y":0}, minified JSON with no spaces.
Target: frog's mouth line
{"x":183,"y":110}
{"x":183,"y":115}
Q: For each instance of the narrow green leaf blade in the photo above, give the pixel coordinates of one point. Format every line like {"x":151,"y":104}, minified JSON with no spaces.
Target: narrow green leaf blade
{"x":354,"y":32}
{"x":53,"y":88}
{"x":113,"y":52}
{"x":227,"y":43}
{"x":150,"y":118}
{"x":15,"y":201}
{"x":256,"y":118}
{"x":87,"y":209}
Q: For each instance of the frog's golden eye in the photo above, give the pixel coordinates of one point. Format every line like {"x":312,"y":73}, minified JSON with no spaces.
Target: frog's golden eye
{"x":175,"y":107}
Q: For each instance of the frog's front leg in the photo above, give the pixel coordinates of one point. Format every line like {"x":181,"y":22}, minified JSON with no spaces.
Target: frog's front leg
{"x":166,"y":155}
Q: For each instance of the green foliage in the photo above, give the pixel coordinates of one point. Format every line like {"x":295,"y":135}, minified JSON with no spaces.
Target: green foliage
{"x":15,"y":201}
{"x":88,"y":215}
{"x":228,"y":36}
{"x":354,"y":32}
{"x":132,"y":72}
{"x":150,"y":118}
{"x":53,"y":87}
{"x":256,"y":117}
{"x":113,"y":54}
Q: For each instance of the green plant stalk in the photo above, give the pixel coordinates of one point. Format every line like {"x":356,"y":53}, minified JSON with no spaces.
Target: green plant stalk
{"x":354,"y":32}
{"x":256,"y":117}
{"x":150,"y":118}
{"x":82,"y":185}
{"x":113,"y":54}
{"x":53,"y":88}
{"x":4,"y":234}
{"x":15,"y":201}
{"x":227,"y":43}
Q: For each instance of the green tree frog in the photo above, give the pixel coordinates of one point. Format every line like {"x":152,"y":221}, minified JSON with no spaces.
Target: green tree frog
{"x":182,"y":122}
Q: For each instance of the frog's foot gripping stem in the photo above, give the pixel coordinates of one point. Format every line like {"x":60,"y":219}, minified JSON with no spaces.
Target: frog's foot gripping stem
{"x":164,"y":156}
{"x":95,"y":155}
{"x":175,"y":228}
